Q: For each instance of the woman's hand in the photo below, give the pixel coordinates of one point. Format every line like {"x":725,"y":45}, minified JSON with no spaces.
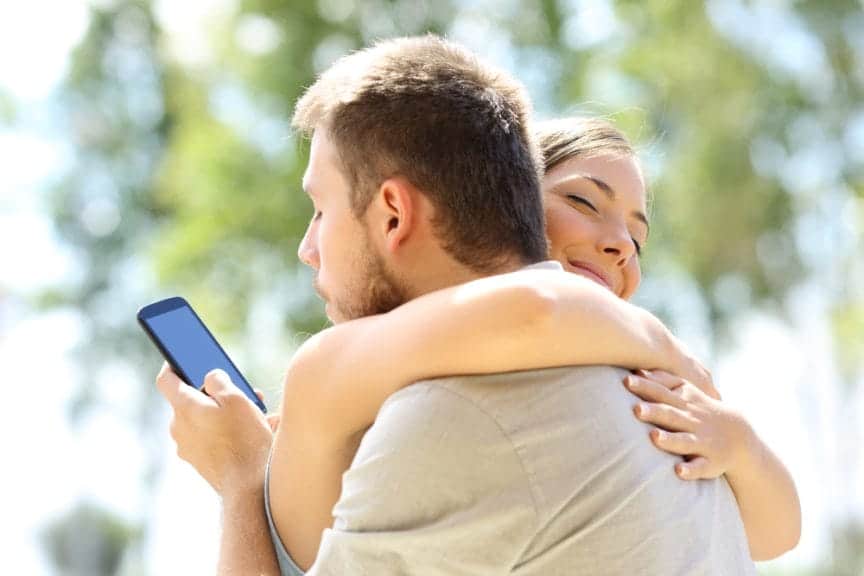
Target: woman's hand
{"x":690,"y":369}
{"x":713,"y":438}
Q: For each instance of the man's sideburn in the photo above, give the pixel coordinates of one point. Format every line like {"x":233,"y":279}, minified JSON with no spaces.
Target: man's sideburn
{"x":375,"y":289}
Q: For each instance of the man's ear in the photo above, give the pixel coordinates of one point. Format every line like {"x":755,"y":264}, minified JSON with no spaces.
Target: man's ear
{"x":395,"y":212}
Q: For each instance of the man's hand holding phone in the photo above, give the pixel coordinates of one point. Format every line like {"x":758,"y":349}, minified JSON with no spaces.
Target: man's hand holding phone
{"x":220,"y":432}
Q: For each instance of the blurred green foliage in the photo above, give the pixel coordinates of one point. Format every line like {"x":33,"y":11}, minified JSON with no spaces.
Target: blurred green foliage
{"x":205,"y":173}
{"x":105,"y":208}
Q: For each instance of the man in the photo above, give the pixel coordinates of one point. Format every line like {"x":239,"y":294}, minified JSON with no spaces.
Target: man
{"x":423,"y":176}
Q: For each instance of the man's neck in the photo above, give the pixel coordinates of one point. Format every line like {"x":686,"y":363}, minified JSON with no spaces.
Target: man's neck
{"x":450,"y":273}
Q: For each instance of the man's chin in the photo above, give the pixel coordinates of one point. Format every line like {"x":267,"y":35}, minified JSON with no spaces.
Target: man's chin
{"x":331,"y":313}
{"x":337,"y":314}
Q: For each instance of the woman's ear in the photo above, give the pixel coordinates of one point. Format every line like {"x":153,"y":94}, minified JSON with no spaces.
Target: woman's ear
{"x":395,"y":212}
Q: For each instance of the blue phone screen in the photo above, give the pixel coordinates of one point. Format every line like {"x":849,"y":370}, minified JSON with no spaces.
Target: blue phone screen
{"x":194,"y":350}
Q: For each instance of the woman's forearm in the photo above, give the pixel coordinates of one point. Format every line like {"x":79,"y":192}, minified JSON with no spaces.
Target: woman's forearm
{"x":768,"y":501}
{"x":547,"y":319}
{"x":519,"y":321}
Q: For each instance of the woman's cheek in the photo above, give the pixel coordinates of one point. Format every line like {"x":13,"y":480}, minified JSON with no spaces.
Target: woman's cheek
{"x":565,"y":227}
{"x":632,"y":278}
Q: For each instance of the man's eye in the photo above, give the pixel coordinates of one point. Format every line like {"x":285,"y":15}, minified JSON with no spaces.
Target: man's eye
{"x":582,"y":201}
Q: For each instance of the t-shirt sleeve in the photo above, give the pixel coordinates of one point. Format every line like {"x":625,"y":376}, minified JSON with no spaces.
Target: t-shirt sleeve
{"x":435,"y":488}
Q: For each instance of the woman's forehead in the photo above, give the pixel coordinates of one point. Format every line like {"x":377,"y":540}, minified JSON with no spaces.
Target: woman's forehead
{"x":618,"y":176}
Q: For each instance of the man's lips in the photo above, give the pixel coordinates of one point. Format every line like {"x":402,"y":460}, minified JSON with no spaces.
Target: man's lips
{"x":316,"y":286}
{"x":592,"y":272}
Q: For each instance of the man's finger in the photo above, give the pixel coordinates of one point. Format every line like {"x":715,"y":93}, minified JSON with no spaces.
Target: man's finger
{"x":273,"y":421}
{"x":218,"y":386}
{"x":180,"y":395}
{"x":168,"y":383}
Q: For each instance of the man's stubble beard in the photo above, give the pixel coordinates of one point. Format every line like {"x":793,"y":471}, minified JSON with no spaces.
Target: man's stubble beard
{"x":375,"y":290}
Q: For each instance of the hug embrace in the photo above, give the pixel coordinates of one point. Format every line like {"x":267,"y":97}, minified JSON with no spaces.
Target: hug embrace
{"x":487,"y":400}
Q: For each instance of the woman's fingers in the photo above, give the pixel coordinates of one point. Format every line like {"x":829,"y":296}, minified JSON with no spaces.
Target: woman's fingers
{"x":652,"y":391}
{"x":668,"y":380}
{"x":681,"y":443}
{"x":698,"y":468}
{"x":686,"y":421}
{"x":667,"y":417}
{"x":673,"y":382}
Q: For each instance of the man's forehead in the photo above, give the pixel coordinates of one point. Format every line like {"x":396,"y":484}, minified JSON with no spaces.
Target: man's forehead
{"x":306,"y":182}
{"x":323,"y":170}
{"x":314,"y":162}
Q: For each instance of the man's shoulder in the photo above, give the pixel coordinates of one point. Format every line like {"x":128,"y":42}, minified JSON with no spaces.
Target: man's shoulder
{"x":484,"y":392}
{"x":499,"y":408}
{"x":445,"y":403}
{"x":440,"y":450}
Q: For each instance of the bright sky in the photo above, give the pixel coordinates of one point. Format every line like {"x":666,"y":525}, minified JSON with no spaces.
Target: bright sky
{"x":101,"y":461}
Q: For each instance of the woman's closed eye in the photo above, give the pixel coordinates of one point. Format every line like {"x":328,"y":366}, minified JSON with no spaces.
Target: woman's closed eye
{"x":583,"y":202}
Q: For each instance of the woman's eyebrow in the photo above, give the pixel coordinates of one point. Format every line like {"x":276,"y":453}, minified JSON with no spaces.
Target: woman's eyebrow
{"x":606,"y":189}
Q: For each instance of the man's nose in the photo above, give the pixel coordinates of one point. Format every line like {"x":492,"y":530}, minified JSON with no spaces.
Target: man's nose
{"x":307,"y":252}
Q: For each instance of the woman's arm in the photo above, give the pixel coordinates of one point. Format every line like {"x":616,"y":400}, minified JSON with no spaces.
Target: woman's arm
{"x":767,"y":499}
{"x":719,"y":440}
{"x":519,"y":321}
{"x":340,"y":377}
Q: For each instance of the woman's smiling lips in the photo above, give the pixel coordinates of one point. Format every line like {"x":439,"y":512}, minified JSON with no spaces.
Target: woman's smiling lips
{"x":591,"y":272}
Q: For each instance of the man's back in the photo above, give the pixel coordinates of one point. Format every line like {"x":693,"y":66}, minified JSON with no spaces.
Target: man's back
{"x":543,"y":472}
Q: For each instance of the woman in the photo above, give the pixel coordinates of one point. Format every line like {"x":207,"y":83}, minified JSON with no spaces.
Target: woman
{"x":595,"y":203}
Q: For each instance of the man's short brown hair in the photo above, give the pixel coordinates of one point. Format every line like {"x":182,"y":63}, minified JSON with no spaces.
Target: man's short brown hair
{"x":428,"y":110}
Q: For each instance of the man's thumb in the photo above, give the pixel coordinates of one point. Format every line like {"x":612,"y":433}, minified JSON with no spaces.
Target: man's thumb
{"x":216,"y":382}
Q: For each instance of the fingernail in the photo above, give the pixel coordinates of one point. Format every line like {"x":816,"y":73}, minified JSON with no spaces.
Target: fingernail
{"x":683,"y":471}
{"x":634,"y":384}
{"x":642,"y":410}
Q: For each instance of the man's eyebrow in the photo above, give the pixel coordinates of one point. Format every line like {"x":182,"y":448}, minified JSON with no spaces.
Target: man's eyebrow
{"x":608,"y":190}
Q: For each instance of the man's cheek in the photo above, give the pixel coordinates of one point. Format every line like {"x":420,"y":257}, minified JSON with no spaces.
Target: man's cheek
{"x":330,"y":277}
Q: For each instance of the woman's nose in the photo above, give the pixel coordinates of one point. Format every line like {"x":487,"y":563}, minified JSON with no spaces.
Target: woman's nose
{"x":618,"y":245}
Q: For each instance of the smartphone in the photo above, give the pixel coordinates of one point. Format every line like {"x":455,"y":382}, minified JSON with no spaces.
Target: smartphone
{"x":188,"y":345}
